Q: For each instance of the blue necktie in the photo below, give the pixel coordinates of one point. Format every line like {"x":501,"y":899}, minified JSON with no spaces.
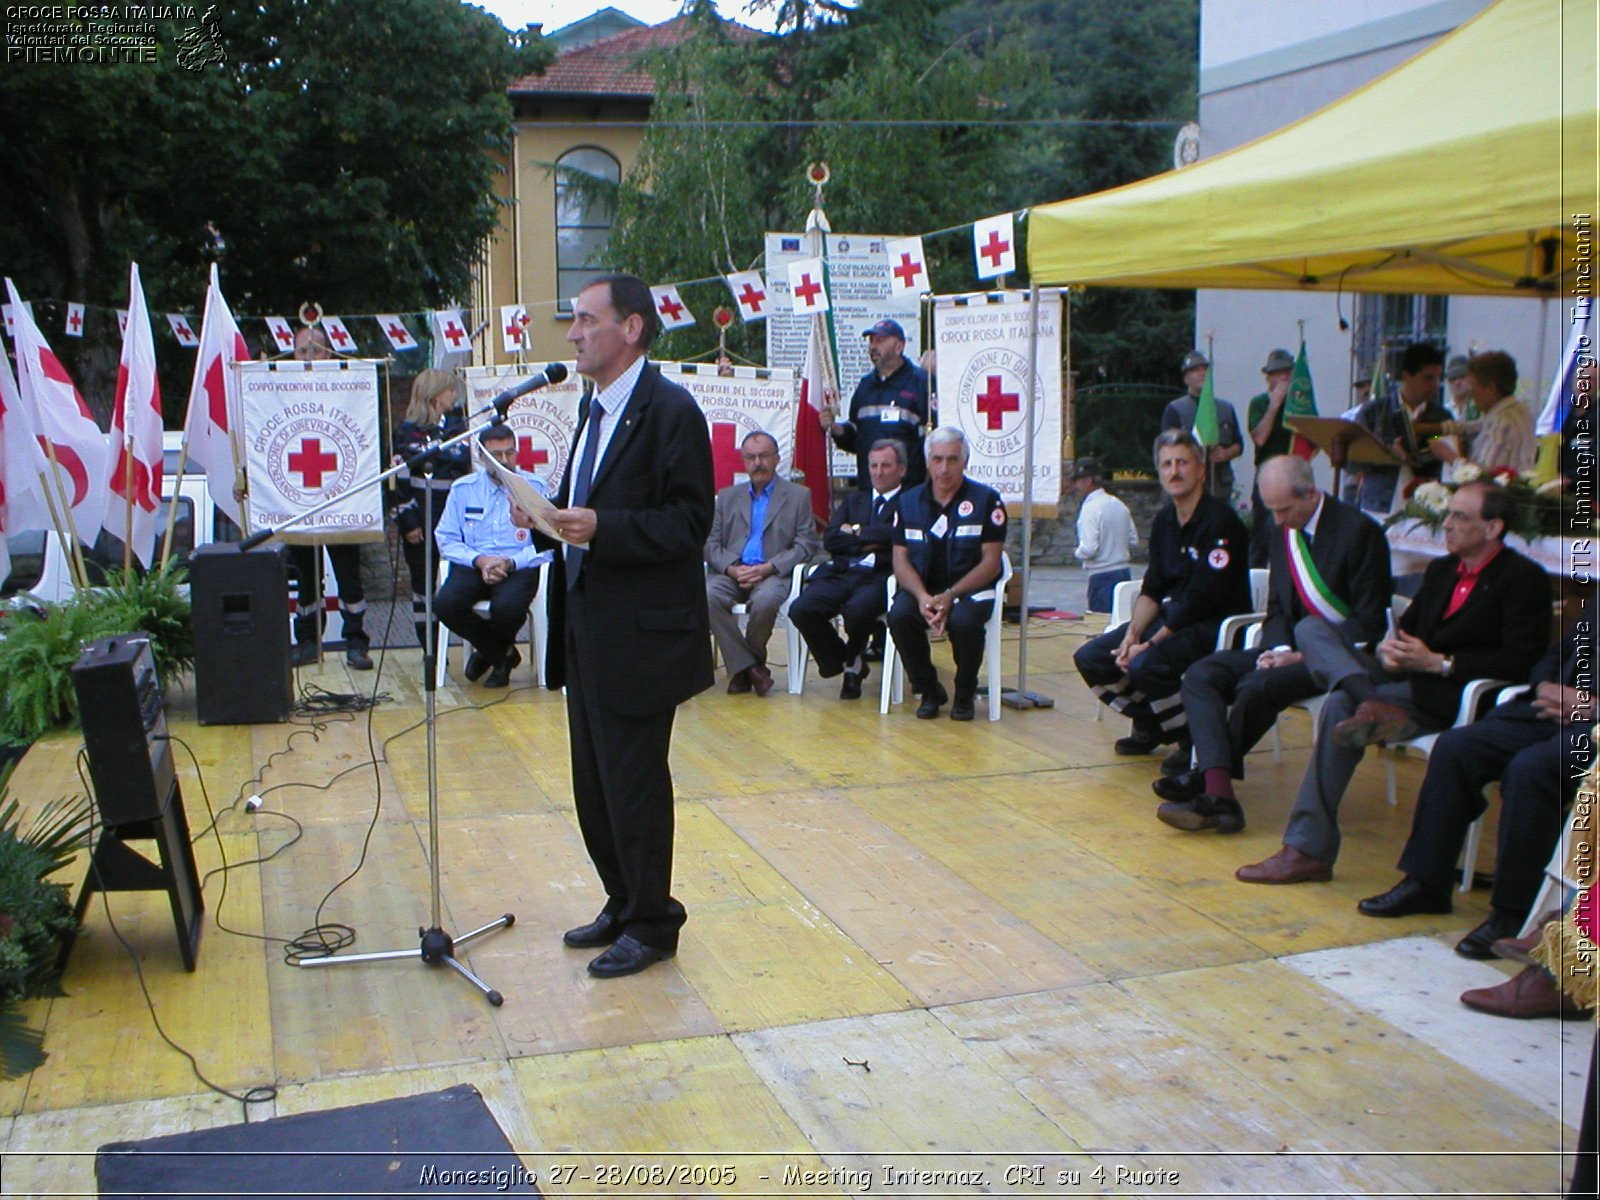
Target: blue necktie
{"x":581,"y":482}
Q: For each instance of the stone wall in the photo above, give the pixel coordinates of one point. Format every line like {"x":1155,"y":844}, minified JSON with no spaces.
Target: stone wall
{"x":1055,"y":538}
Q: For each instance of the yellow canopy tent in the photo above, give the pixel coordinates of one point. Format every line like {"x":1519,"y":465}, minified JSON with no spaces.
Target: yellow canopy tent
{"x":1470,"y":169}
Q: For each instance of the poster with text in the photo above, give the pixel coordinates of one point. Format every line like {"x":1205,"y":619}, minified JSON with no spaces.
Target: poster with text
{"x":545,"y":421}
{"x":746,"y":400}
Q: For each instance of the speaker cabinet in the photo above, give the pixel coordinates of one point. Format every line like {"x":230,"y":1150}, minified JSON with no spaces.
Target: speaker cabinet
{"x":240,"y":602}
{"x":124,"y":728}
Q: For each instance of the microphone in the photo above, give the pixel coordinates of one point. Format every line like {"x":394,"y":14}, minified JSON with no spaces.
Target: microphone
{"x":554,"y":373}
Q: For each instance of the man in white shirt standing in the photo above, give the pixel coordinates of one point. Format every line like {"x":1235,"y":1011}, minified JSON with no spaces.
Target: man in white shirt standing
{"x":1106,"y":536}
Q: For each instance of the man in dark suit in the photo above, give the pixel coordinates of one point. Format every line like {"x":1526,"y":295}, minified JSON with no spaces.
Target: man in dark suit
{"x":1326,"y":558}
{"x":1483,"y":612}
{"x":1537,"y":745}
{"x":860,"y":537}
{"x":760,"y":531}
{"x":629,"y":634}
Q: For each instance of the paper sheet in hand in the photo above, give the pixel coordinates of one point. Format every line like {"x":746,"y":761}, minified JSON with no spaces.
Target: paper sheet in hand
{"x":523,"y":494}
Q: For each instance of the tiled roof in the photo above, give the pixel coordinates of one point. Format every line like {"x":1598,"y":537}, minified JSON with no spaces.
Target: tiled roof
{"x":611,"y":67}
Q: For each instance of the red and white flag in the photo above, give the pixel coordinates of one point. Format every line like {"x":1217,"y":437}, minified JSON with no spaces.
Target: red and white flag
{"x":282,"y":335}
{"x":10,"y":312}
{"x":22,"y":503}
{"x":74,"y":322}
{"x":994,"y":242}
{"x":450,"y":330}
{"x":817,"y":387}
{"x":806,"y":286}
{"x":338,"y":336}
{"x":908,"y":267}
{"x":214,"y":403}
{"x":513,"y":324}
{"x":394,"y":329}
{"x":750,"y":295}
{"x":181,"y":330}
{"x":63,"y":423}
{"x":674,"y":313}
{"x":135,"y":473}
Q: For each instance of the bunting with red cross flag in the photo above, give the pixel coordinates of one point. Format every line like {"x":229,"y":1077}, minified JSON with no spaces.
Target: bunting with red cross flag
{"x":808,"y":290}
{"x":310,"y":436}
{"x":339,"y":337}
{"x":134,"y":476}
{"x":182,"y":330}
{"x":908,"y":266}
{"x":545,"y":421}
{"x":282,"y":334}
{"x":450,"y":331}
{"x":994,"y":243}
{"x":749,"y":293}
{"x":210,"y":427}
{"x":10,"y":313}
{"x":670,"y":308}
{"x":74,"y":321}
{"x":513,"y":326}
{"x":395,"y":330}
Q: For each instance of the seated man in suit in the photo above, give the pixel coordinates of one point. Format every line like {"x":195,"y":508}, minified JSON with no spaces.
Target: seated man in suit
{"x":1483,"y":612}
{"x":1537,"y":745}
{"x":1327,"y":559}
{"x":1199,"y":572}
{"x":861,"y":539}
{"x":760,"y":532}
{"x":946,"y":560}
{"x":490,"y":559}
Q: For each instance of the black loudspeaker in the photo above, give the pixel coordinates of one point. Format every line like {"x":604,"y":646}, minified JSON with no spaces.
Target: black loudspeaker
{"x":124,"y":728}
{"x":240,"y":602}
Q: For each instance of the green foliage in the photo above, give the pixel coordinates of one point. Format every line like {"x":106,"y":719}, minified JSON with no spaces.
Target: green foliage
{"x":151,"y":602}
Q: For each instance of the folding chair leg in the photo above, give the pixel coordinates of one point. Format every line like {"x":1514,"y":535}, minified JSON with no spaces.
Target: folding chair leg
{"x":1469,"y":854}
{"x":1388,"y":778}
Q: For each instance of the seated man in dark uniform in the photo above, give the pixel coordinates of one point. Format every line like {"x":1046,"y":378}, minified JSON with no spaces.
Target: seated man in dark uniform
{"x":946,"y":560}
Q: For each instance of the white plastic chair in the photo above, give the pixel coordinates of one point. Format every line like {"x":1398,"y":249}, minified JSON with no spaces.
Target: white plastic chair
{"x":799,"y":651}
{"x":892,"y":689}
{"x":1122,"y":600}
{"x":796,"y":643}
{"x":538,"y":617}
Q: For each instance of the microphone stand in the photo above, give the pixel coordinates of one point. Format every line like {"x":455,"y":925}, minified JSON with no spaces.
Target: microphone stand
{"x":437,"y":948}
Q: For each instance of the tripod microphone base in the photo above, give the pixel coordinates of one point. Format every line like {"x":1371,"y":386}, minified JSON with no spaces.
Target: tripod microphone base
{"x":437,"y":949}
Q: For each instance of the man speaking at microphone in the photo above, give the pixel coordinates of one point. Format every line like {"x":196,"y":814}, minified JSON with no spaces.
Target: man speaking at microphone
{"x":629,"y":632}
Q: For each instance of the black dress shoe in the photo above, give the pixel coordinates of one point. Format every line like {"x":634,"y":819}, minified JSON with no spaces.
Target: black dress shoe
{"x":1221,"y":813}
{"x":963,"y":708}
{"x":933,"y":700}
{"x":850,"y":689}
{"x":501,"y":675}
{"x":357,"y":658}
{"x":1480,"y":942}
{"x":1141,"y":741}
{"x":477,"y":666}
{"x":1404,"y":899}
{"x":1180,"y":788}
{"x":302,"y":654}
{"x":1178,"y":762}
{"x":627,"y":956}
{"x":601,"y":931}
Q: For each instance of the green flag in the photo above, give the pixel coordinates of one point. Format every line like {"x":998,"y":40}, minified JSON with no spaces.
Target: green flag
{"x":1205,"y":415}
{"x":1302,"y":401}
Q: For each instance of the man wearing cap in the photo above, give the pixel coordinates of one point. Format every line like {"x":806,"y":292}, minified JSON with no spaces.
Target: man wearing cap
{"x":1106,"y":536}
{"x":891,"y":401}
{"x":1272,"y":438}
{"x":1180,"y":415}
{"x":1459,"y":383}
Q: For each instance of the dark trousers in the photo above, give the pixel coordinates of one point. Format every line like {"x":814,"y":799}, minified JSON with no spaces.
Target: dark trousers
{"x":1103,"y":587}
{"x":858,"y":596}
{"x":509,"y":601}
{"x":1148,"y":690}
{"x":622,"y":788}
{"x":964,"y":627}
{"x":1532,"y":759}
{"x":1232,"y":705}
{"x":346,"y":560}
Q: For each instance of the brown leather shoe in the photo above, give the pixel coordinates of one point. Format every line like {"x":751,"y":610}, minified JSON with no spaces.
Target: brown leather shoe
{"x":1288,"y":865}
{"x":1520,"y":949}
{"x":739,"y":682}
{"x":1527,"y":995}
{"x":1374,"y":721}
{"x":761,"y":679}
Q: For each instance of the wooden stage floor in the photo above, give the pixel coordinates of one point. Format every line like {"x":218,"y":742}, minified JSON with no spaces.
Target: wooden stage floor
{"x":922,"y":946}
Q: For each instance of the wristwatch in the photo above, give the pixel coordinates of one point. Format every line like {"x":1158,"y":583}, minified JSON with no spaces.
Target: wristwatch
{"x":1447,"y":668}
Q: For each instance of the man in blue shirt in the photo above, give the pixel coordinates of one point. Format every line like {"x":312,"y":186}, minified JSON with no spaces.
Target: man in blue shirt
{"x":490,"y":559}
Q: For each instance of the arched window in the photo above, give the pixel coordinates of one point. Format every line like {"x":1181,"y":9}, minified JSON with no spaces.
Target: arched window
{"x":586,"y":181}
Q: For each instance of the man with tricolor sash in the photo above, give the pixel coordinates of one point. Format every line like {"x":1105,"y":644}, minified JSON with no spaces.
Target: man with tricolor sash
{"x":1325,"y":560}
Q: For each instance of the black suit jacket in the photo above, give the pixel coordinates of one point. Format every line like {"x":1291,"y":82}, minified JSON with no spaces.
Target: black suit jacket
{"x":1499,"y":633}
{"x":643,"y":577}
{"x":1352,"y":556}
{"x":846,"y":547}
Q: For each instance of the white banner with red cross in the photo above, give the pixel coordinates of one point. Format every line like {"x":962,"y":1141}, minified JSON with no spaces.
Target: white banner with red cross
{"x":545,"y":421}
{"x":311,"y":433}
{"x":737,"y":402}
{"x":982,"y":342}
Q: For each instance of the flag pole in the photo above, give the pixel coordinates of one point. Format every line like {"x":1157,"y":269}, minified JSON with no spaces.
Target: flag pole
{"x":817,"y":226}
{"x":80,"y":572}
{"x":63,"y":529}
{"x":172,"y":508}
{"x":127,"y":498}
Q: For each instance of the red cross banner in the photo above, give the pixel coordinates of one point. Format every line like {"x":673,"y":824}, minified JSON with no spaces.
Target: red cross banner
{"x":394,"y":329}
{"x":738,"y":403}
{"x":807,"y":292}
{"x":338,"y":336}
{"x":994,"y":242}
{"x":182,"y":330}
{"x":134,"y":472}
{"x":749,"y":293}
{"x":513,"y":325}
{"x":670,"y":308}
{"x":545,"y":421}
{"x":310,"y":434}
{"x":282,"y":335}
{"x":211,"y":424}
{"x":908,"y":267}
{"x":982,"y":340}
{"x":74,"y":323}
{"x":450,"y":331}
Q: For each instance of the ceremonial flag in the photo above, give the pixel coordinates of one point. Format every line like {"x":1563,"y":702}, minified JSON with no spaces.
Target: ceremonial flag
{"x":810,"y":442}
{"x":62,"y":420}
{"x":1206,"y":430}
{"x":74,"y":320}
{"x":674,"y":313}
{"x":1302,"y":400}
{"x":513,"y":324}
{"x":450,"y":329}
{"x":181,"y":330}
{"x":1580,"y":345}
{"x":338,"y":335}
{"x":135,"y":473}
{"x":806,"y":287}
{"x":749,"y":292}
{"x":908,"y":267}
{"x":22,"y":503}
{"x":282,"y":335}
{"x":213,"y":401}
{"x":399,"y":336}
{"x":994,"y":243}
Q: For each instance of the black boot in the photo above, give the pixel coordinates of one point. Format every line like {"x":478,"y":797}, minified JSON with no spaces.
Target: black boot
{"x":355,"y":641}
{"x":307,"y":635}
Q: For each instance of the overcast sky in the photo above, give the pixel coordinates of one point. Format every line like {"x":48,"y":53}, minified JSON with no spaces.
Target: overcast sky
{"x":553,"y":14}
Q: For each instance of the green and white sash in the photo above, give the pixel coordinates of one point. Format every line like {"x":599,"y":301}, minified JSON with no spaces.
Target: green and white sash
{"x":1318,"y":599}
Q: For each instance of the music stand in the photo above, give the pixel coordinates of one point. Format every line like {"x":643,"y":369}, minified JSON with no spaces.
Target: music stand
{"x":1343,"y":442}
